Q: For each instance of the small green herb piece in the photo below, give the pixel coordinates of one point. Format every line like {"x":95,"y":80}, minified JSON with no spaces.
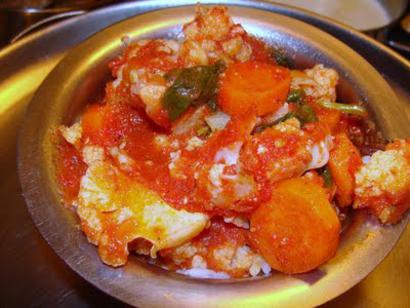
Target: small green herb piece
{"x":203,"y":131}
{"x":284,"y":118}
{"x":192,"y":85}
{"x":262,"y":127}
{"x":305,"y":114}
{"x":327,"y":177}
{"x":345,"y":108}
{"x":296,"y":96}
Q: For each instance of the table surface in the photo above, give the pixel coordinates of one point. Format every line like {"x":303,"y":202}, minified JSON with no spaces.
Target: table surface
{"x":32,"y":274}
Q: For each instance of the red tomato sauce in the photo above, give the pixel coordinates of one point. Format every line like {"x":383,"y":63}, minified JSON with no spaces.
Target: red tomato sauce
{"x":70,"y":169}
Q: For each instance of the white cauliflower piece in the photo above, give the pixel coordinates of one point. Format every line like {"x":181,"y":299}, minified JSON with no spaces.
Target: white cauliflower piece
{"x":383,"y":183}
{"x":319,"y":82}
{"x":73,"y":133}
{"x":210,"y":23}
{"x":122,"y":159}
{"x":93,"y":154}
{"x":194,"y":143}
{"x":115,"y":210}
{"x":193,"y":53}
{"x":386,"y":172}
{"x":211,"y":28}
{"x":291,"y":125}
{"x":151,"y":96}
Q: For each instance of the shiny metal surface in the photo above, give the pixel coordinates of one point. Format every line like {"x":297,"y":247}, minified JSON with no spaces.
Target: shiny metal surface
{"x":33,"y":275}
{"x":363,"y":245}
{"x":42,"y":21}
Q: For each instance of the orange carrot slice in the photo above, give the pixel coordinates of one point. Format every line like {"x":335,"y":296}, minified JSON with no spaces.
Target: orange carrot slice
{"x":297,"y":230}
{"x":255,"y":87}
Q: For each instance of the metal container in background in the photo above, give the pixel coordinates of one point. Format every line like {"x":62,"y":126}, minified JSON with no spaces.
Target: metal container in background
{"x":377,"y":18}
{"x":363,"y":15}
{"x":18,"y":18}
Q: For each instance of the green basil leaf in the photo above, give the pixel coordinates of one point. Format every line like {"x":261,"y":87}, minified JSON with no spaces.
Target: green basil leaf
{"x":305,"y":114}
{"x":192,"y":85}
{"x":296,"y":96}
{"x":284,"y":118}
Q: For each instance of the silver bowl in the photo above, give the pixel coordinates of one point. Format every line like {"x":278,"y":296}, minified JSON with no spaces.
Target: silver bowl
{"x":79,"y":79}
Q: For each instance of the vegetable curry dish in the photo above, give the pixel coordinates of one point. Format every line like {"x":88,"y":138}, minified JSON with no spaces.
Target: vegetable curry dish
{"x":213,"y":157}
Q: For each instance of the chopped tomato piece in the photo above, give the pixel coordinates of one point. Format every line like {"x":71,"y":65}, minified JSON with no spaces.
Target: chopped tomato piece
{"x":297,"y":230}
{"x":344,"y":161}
{"x":253,"y":87}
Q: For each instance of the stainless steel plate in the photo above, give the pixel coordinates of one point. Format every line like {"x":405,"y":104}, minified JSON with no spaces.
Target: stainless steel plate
{"x":135,"y":283}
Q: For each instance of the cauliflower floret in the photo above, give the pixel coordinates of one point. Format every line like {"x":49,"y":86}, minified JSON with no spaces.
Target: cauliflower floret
{"x":151,"y":96}
{"x":212,"y":35}
{"x":387,"y":171}
{"x":277,"y":153}
{"x":193,"y":53}
{"x":198,"y":262}
{"x":194,"y":143}
{"x":319,"y":81}
{"x":289,"y":126}
{"x":285,"y":151}
{"x":229,"y":154}
{"x":220,"y":248}
{"x":227,"y":185}
{"x":73,"y":133}
{"x":383,"y":184}
{"x":237,"y":48}
{"x":123,"y":161}
{"x":213,"y":24}
{"x":93,"y":154}
{"x":115,"y":210}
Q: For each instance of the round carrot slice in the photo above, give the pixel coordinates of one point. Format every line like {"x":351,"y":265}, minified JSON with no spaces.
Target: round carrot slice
{"x":297,"y":230}
{"x":256,"y":87}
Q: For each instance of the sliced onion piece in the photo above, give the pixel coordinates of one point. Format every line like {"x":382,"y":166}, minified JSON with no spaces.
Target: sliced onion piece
{"x":320,"y":153}
{"x":217,"y":120}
